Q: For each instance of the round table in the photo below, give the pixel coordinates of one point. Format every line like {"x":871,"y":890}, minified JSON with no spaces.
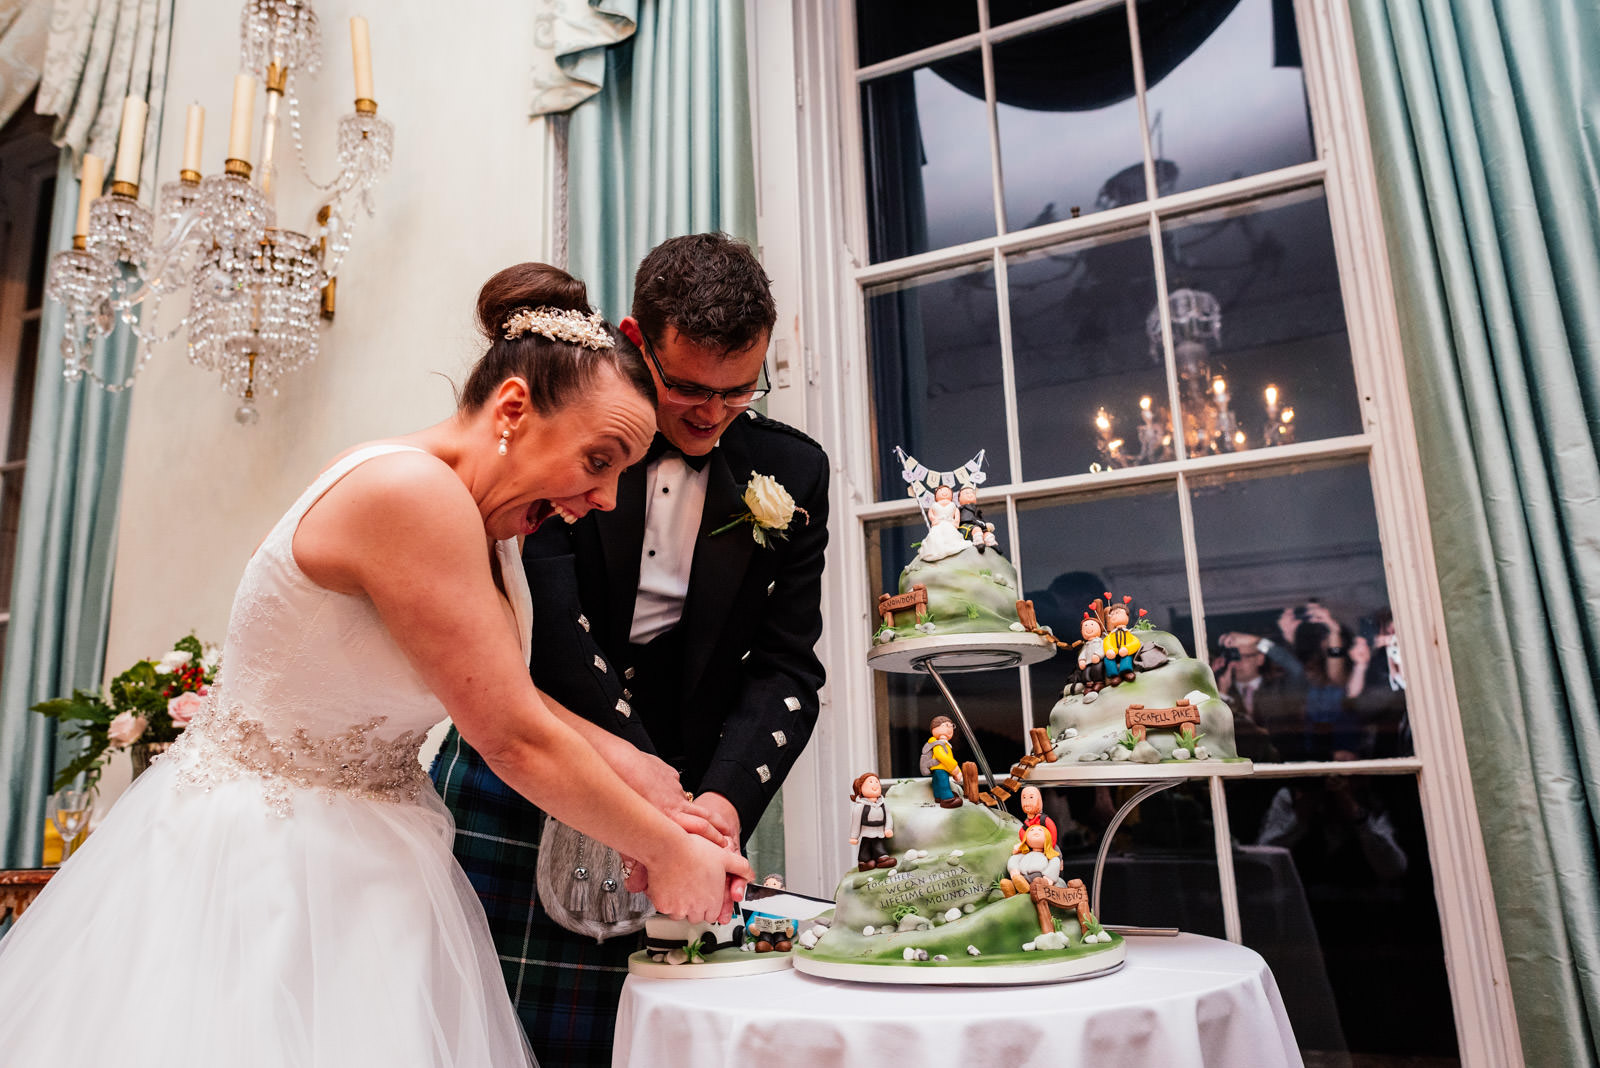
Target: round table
{"x":1179,"y":1002}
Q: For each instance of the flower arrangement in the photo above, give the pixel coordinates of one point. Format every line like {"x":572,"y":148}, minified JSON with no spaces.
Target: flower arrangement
{"x":150,"y":703}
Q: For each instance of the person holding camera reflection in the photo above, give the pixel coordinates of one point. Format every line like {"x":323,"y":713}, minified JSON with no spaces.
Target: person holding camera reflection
{"x":1293,"y":687}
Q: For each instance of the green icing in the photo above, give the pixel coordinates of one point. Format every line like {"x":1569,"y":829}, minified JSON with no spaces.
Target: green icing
{"x":968,"y":593}
{"x":997,"y":926}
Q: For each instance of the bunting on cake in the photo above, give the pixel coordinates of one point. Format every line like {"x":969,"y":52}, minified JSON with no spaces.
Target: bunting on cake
{"x":922,"y":481}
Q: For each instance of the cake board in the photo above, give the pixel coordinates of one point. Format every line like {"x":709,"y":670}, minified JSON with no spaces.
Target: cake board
{"x":927,"y":973}
{"x":723,"y":964}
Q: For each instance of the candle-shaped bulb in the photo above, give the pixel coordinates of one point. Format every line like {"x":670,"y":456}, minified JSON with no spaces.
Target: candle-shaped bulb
{"x":1144,"y":404}
{"x":130,"y":141}
{"x":1238,"y":437}
{"x":1114,"y":444}
{"x":361,"y":57}
{"x":1219,"y":386}
{"x":194,"y":132}
{"x":92,"y":178}
{"x":1288,"y":415}
{"x":244,"y":106}
{"x":1102,"y":421}
{"x":1272,"y":396}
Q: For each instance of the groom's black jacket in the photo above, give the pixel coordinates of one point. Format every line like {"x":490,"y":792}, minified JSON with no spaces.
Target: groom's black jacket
{"x":747,"y":701}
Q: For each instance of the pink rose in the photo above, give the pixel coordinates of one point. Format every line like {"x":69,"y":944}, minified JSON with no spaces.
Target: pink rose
{"x":125,"y":729}
{"x":183,"y":707}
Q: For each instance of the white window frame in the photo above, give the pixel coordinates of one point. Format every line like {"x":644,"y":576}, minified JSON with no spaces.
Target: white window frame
{"x":811,"y":214}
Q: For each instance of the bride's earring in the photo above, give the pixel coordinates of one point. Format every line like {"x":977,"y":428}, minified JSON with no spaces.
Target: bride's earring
{"x":505,"y":436}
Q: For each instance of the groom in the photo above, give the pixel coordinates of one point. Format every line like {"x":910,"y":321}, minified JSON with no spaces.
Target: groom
{"x":663,"y":624}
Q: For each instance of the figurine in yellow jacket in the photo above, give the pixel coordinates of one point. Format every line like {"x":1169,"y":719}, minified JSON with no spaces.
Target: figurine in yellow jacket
{"x":1119,"y":643}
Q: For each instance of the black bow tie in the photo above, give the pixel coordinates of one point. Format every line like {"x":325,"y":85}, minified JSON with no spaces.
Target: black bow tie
{"x":660,"y":447}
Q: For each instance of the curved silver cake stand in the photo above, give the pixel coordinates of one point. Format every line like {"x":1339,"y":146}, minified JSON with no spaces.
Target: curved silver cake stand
{"x":950,"y":654}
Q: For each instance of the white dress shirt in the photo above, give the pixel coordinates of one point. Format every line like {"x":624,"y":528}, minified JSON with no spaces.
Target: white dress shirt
{"x":675,"y":497}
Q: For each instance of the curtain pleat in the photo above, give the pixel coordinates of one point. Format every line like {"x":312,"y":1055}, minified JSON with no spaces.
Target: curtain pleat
{"x":1484,"y":119}
{"x":61,"y":595}
{"x":664,"y":148}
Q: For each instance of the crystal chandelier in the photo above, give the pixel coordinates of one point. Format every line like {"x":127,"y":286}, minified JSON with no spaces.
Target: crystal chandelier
{"x":1210,"y":423}
{"x":255,"y":290}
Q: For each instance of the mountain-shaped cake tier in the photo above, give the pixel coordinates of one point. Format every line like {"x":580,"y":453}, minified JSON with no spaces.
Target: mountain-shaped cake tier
{"x":1174,"y":701}
{"x":942,"y":905}
{"x":973,"y":591}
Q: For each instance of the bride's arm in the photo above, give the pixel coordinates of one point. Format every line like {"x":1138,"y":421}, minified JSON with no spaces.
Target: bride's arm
{"x":403,"y":530}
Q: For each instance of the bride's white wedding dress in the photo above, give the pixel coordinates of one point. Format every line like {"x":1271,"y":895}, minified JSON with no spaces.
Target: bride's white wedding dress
{"x":278,"y":890}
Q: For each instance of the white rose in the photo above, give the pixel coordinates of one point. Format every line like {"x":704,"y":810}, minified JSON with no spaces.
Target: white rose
{"x":769,"y":502}
{"x":125,"y":729}
{"x":172,"y":662}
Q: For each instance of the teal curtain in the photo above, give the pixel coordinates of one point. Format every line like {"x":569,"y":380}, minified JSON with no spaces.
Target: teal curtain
{"x":664,"y":148}
{"x":61,"y":593}
{"x":1485,"y":120}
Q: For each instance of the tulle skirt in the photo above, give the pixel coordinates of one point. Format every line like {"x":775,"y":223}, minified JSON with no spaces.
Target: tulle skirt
{"x":199,"y":928}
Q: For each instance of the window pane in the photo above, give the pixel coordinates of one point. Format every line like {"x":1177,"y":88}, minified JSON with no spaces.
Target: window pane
{"x":889,"y":28}
{"x":1071,"y":555}
{"x":937,"y":387}
{"x":926,"y":143}
{"x":1162,"y":868}
{"x":1294,"y":558}
{"x":990,"y":700}
{"x":1069,"y":122}
{"x":1078,"y":337}
{"x":1226,"y":96}
{"x":1255,"y":305}
{"x":1336,"y":892}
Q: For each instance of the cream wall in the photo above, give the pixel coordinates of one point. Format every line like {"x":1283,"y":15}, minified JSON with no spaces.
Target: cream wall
{"x":466,"y":196}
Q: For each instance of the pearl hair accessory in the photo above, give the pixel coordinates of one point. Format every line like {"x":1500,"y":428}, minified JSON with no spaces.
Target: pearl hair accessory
{"x":505,"y":436}
{"x":559,"y":324}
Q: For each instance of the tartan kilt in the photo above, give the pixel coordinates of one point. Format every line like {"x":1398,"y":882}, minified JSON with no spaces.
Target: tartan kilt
{"x":565,"y":986}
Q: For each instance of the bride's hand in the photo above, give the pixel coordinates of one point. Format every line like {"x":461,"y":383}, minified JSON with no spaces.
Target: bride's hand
{"x":657,"y":782}
{"x":695,"y":883}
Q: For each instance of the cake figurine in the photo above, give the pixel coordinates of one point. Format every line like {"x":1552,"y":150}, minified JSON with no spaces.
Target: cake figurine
{"x":871,"y":826}
{"x":1033,"y":813}
{"x":1034,"y":857}
{"x":944,"y":532}
{"x":980,"y":533}
{"x":1119,"y":644}
{"x":939,"y":762}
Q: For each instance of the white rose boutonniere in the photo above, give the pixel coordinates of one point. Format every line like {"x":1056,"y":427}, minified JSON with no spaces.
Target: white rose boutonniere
{"x":771,"y":510}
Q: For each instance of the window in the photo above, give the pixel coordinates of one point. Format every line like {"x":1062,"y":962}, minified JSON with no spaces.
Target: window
{"x":1117,"y":245}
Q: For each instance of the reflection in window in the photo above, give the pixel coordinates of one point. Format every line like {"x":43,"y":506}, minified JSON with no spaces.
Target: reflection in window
{"x":929,"y":181}
{"x":1258,"y":326}
{"x":1069,"y":121}
{"x":1297,"y":614}
{"x":1074,"y":550}
{"x":889,"y":28}
{"x":1319,"y":861}
{"x":1078,"y":338}
{"x":937,"y":389}
{"x":1226,"y":97}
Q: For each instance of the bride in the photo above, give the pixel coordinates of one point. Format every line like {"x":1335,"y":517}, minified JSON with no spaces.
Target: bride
{"x":279,"y":890}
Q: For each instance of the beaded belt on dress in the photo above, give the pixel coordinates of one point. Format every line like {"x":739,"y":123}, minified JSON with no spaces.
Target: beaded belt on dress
{"x":222,"y":744}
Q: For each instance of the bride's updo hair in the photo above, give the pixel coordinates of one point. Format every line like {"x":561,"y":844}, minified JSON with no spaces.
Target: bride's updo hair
{"x":557,"y":371}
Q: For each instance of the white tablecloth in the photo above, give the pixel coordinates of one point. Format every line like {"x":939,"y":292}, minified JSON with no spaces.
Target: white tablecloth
{"x":1181,"y":1002}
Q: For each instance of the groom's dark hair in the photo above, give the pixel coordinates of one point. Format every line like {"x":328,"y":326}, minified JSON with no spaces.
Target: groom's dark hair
{"x":710,"y":287}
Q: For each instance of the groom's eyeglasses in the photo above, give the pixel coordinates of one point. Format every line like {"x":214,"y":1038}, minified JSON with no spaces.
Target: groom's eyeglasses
{"x":688,"y":394}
